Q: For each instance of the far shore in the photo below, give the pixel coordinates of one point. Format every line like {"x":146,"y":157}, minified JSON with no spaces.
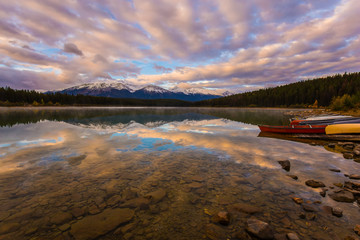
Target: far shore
{"x":296,"y":112}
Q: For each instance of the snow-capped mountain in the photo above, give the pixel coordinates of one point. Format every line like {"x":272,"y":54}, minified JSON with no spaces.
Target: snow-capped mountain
{"x":204,"y":91}
{"x":121,"y":89}
{"x":154,"y":89}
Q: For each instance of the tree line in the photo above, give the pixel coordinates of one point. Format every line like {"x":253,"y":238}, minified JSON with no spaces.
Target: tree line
{"x":317,"y":92}
{"x":12,"y":97}
{"x":341,"y":91}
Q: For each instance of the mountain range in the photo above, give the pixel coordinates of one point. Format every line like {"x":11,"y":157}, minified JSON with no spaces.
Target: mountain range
{"x":127,"y":90}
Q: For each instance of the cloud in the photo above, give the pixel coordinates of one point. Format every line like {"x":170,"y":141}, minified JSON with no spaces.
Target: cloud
{"x":20,"y":79}
{"x":214,"y":43}
{"x":159,"y":68}
{"x":72,"y":48}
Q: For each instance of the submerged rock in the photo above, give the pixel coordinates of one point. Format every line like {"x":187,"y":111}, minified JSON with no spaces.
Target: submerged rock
{"x":331,"y":145}
{"x":292,"y":236}
{"x":157,"y":195}
{"x":215,"y":232}
{"x":338,"y":212}
{"x":222,"y":218}
{"x":60,"y":218}
{"x":340,"y":185}
{"x":285,"y":164}
{"x":293,"y":176}
{"x":310,"y":216}
{"x":354,"y":176}
{"x":335,"y":170}
{"x":323,"y":192}
{"x":137,"y":202}
{"x":314,"y":183}
{"x":348,"y":155}
{"x":93,"y":226}
{"x":114,"y":200}
{"x":347,"y":145}
{"x":298,"y":200}
{"x":93,"y":209}
{"x":77,"y":212}
{"x":195,"y":185}
{"x":357,"y":229}
{"x":308,"y":208}
{"x":259,"y":229}
{"x":245,"y":208}
{"x":129,"y":194}
{"x":342,"y":196}
{"x":9,"y":227}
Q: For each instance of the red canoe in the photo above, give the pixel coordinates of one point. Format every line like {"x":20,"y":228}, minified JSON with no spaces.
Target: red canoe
{"x":294,"y":129}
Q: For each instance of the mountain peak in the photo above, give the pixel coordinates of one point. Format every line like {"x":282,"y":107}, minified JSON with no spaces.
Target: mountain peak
{"x":153,"y":88}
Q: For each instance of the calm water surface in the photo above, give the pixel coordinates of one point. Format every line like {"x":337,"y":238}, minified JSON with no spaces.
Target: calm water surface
{"x":159,"y":173}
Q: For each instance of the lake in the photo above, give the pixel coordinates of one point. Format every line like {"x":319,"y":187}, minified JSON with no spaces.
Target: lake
{"x":163,"y":173}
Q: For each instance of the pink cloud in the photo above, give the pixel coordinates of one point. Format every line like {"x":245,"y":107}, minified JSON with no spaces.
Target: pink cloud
{"x":218,"y":43}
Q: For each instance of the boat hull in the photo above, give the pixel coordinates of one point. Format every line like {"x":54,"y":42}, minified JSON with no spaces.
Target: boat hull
{"x":326,"y":122}
{"x":306,"y":129}
{"x":343,"y":129}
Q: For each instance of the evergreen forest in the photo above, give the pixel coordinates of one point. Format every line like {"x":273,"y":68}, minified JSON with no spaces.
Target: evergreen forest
{"x":340,"y":91}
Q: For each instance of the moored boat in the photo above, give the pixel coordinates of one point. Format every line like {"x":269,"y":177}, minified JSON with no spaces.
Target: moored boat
{"x":343,"y":119}
{"x":306,"y":129}
{"x":350,"y":128}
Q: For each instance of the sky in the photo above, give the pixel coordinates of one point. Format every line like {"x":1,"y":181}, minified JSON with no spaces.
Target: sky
{"x":235,"y":45}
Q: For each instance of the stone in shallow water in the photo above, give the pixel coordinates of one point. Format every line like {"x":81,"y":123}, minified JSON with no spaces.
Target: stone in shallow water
{"x":129,"y":194}
{"x":215,"y":232}
{"x":246,"y":208}
{"x":77,"y":212}
{"x":60,"y":217}
{"x":310,"y":216}
{"x":348,"y":155}
{"x":354,"y":176}
{"x":255,"y":179}
{"x":314,"y":183}
{"x":342,"y":196}
{"x":157,"y":195}
{"x":323,"y":192}
{"x":222,"y":218}
{"x":93,"y":209}
{"x":93,"y":226}
{"x":137,"y":202}
{"x":64,"y":227}
{"x":259,"y":229}
{"x":4,"y":215}
{"x":285,"y":164}
{"x":298,"y":200}
{"x":195,"y":185}
{"x":331,"y":145}
{"x":357,"y":229}
{"x":308,"y":208}
{"x":337,"y":212}
{"x":292,"y":236}
{"x":293,"y":176}
{"x":114,"y":200}
{"x":9,"y":227}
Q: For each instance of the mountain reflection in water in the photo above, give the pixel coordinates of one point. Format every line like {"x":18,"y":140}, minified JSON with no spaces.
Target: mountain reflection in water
{"x":159,"y":173}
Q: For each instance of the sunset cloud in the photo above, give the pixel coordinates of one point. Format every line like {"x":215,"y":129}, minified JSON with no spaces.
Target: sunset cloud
{"x":218,"y":44}
{"x":72,"y":48}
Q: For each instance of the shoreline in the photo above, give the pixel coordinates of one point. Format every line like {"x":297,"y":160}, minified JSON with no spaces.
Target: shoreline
{"x":295,"y":112}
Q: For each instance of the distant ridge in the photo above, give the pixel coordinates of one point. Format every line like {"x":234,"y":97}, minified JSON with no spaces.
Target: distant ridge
{"x":124,"y":90}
